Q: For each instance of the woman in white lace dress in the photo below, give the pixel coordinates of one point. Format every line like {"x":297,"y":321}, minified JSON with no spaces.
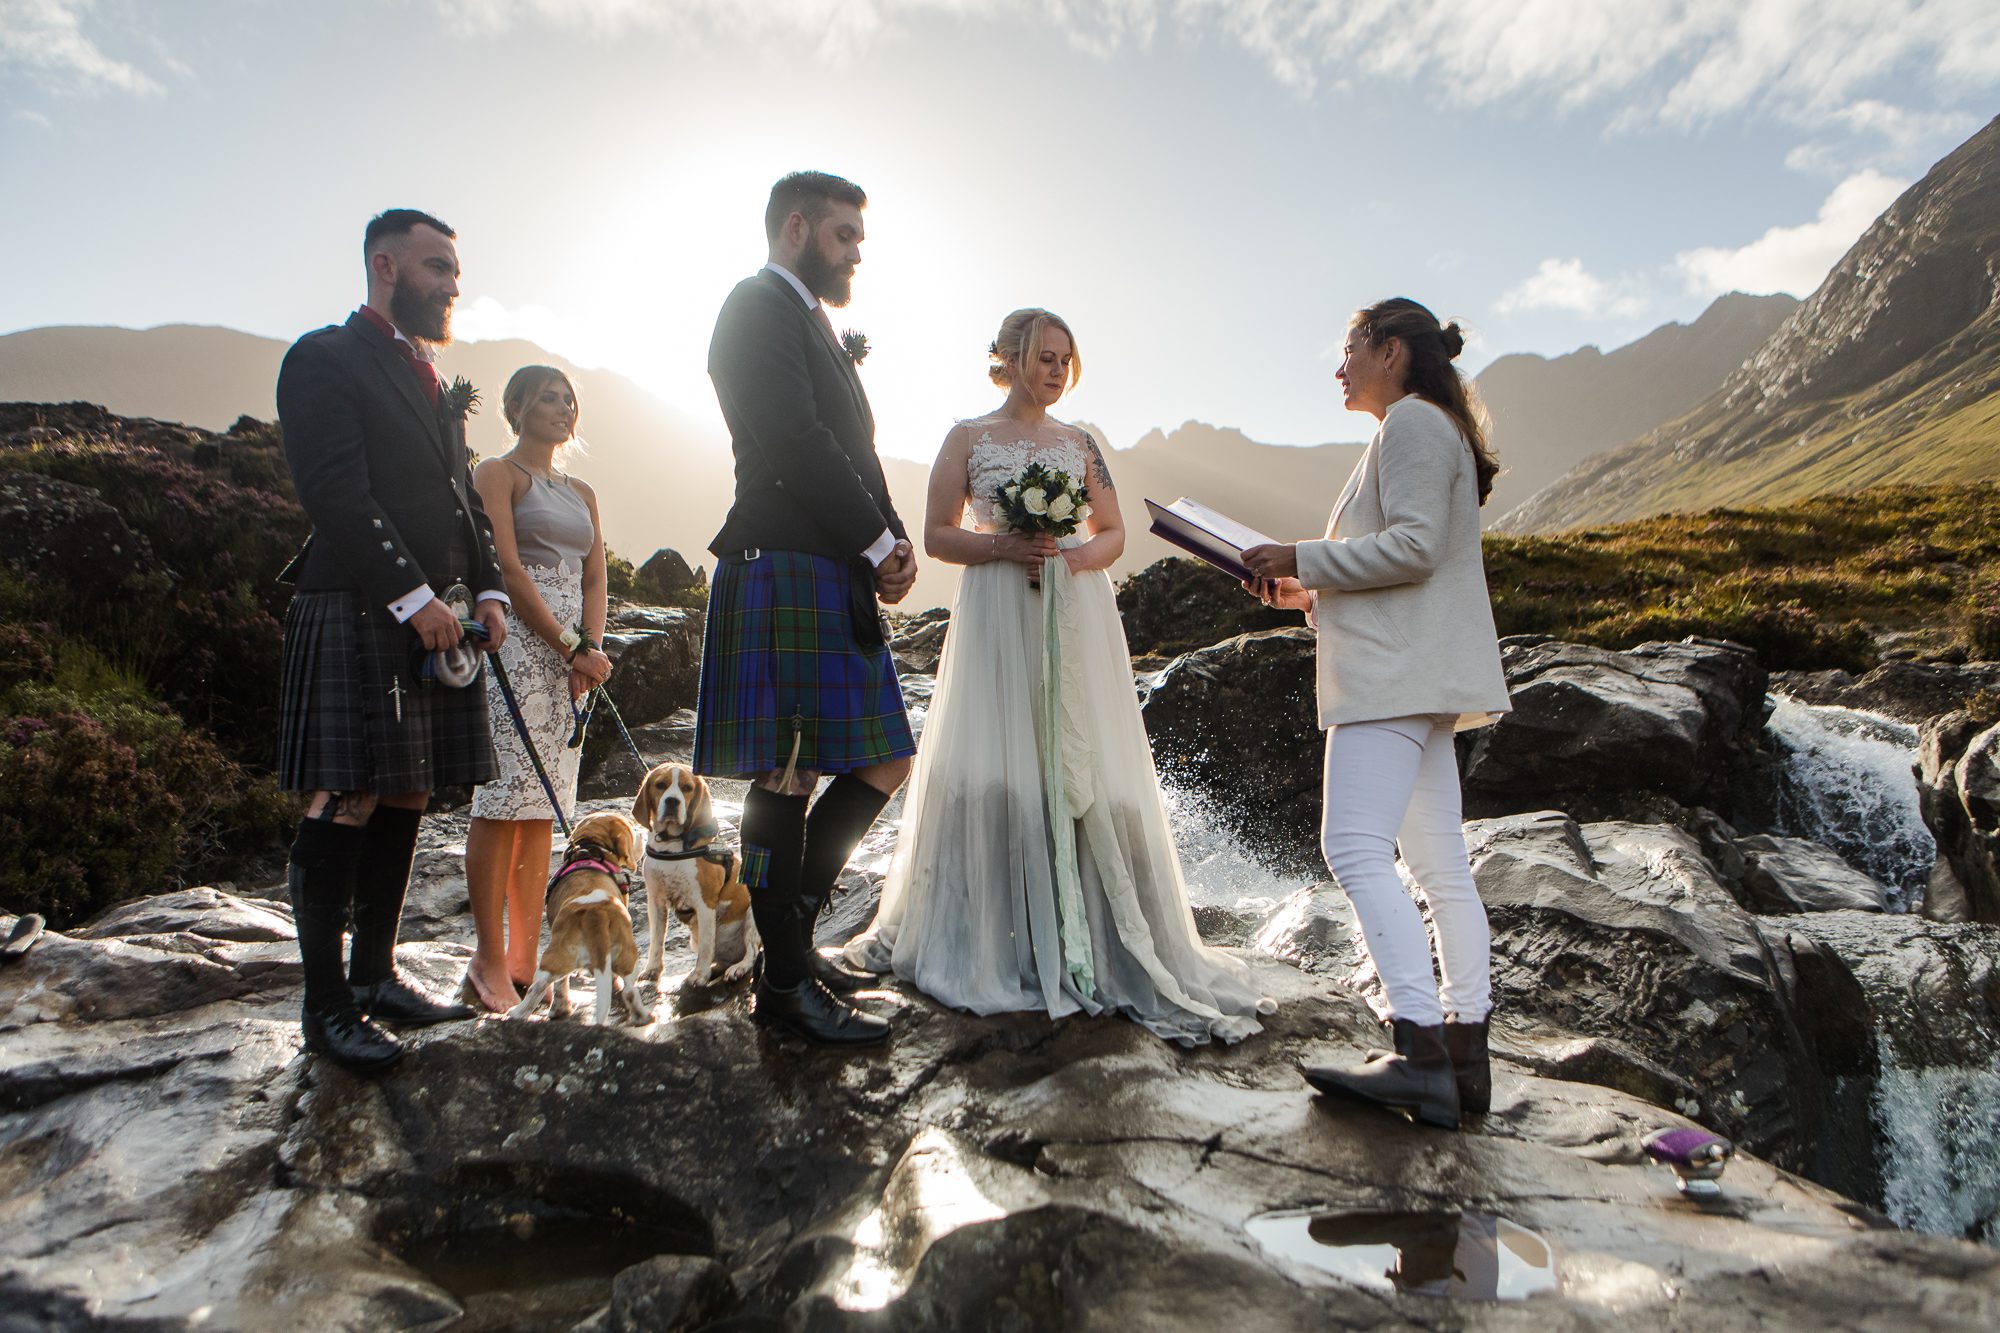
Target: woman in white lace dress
{"x":552,"y":555}
{"x":991,"y":903}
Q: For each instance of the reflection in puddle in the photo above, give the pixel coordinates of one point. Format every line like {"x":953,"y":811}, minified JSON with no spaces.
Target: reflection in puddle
{"x":1470,"y":1256}
{"x":537,"y":1273}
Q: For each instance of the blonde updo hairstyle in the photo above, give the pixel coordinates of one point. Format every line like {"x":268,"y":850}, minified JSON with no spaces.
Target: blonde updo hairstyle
{"x":526,"y":385}
{"x":1020,"y":340}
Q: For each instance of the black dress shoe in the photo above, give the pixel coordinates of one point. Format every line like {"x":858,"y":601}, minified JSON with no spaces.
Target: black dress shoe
{"x":830,"y":971}
{"x":815,"y":1013}
{"x":1416,"y":1078}
{"x":349,"y":1040}
{"x":396,"y":1001}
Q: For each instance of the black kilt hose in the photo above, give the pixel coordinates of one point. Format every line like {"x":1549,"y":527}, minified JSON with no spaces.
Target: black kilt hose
{"x":356,"y":715}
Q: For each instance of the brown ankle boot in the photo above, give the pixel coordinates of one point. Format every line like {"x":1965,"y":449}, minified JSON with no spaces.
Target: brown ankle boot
{"x":1466,"y":1044}
{"x":1416,"y":1078}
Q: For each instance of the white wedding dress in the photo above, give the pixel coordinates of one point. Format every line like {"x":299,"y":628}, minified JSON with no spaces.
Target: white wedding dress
{"x":987,"y":907}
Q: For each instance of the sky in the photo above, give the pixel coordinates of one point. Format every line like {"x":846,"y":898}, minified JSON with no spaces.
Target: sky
{"x":1205,"y":189}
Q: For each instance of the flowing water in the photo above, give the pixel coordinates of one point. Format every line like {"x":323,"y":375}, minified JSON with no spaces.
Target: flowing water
{"x":1847,"y":782}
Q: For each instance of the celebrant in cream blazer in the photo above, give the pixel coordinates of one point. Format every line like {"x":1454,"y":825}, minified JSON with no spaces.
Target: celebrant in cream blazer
{"x":1407,"y":657}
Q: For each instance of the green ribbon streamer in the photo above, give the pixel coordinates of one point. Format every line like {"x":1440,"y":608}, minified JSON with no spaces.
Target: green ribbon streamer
{"x":1072,"y":925}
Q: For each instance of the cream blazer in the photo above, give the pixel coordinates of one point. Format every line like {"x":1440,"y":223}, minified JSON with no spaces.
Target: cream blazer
{"x":1399,"y":591}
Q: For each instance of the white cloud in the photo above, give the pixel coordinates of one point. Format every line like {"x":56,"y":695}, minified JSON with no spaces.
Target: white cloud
{"x":1793,"y":259}
{"x":46,"y":38}
{"x":1883,"y":137}
{"x":1564,"y":284}
{"x":1674,"y":62}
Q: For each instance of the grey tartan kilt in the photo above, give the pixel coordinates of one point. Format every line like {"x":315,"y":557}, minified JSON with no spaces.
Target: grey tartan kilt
{"x":338,"y":729}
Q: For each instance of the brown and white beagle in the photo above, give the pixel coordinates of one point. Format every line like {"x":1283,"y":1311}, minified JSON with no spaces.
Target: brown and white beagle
{"x":590,"y":921}
{"x":687,"y":875}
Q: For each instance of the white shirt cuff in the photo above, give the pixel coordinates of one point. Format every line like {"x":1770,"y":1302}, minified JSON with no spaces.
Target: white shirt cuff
{"x":500,"y":597}
{"x":412,"y":602}
{"x":881,"y":548}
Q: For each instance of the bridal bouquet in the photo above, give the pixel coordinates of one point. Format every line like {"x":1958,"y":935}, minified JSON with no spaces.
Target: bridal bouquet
{"x":1043,"y":499}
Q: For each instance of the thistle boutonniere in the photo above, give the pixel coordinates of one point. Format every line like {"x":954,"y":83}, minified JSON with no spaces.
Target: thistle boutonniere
{"x":855,"y":343}
{"x":461,"y":398}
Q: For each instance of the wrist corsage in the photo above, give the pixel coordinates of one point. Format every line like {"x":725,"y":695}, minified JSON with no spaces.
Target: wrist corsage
{"x":575,"y":640}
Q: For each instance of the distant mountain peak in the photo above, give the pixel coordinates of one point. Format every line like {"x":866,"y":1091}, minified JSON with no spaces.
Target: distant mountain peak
{"x":1884,"y":374}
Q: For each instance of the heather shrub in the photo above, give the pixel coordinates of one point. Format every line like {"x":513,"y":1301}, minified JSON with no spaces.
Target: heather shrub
{"x":1978,"y":617}
{"x":110,"y":797}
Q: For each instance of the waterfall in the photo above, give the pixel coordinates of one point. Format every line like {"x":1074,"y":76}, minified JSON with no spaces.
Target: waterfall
{"x":1847,"y":782}
{"x":1940,"y":1134}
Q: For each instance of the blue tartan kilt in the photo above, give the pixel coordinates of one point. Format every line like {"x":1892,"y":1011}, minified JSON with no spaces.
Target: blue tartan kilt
{"x":779,"y":658}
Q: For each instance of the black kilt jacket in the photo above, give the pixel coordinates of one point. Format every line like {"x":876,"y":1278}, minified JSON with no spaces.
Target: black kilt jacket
{"x":807,"y":476}
{"x":384,"y":477}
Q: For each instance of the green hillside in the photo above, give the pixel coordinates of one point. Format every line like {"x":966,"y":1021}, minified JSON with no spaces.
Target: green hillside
{"x":1888,"y":373}
{"x":1826,"y":582}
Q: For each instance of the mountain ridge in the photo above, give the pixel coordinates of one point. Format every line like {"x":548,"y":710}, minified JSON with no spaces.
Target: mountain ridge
{"x":1890,"y":371}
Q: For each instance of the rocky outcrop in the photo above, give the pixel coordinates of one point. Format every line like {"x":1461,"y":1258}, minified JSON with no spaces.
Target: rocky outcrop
{"x":1906,"y":691}
{"x":49,"y":524}
{"x":1783,"y":875}
{"x":977,"y":1173}
{"x":667,"y":579}
{"x":655,"y":656}
{"x":1236,"y":721}
{"x":1643,"y":734}
{"x":1958,"y":788}
{"x":1592,"y":730}
{"x":918,"y":642}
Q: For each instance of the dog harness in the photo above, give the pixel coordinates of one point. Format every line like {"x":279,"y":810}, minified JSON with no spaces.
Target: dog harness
{"x":620,"y":876}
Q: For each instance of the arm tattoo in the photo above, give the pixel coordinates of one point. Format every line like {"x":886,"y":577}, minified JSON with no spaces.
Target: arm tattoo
{"x":1100,"y":475}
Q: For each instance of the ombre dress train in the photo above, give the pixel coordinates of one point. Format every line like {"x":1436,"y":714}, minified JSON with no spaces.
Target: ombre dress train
{"x":992,"y":906}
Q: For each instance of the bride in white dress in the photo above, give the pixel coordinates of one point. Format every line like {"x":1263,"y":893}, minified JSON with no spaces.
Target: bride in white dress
{"x":990,"y":905}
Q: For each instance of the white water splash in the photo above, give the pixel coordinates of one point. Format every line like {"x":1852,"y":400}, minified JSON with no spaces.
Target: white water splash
{"x":1221,"y":866}
{"x":1940,"y":1136}
{"x":1847,"y":782}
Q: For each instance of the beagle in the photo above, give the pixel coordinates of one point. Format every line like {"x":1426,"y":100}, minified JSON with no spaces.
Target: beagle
{"x":687,"y":875}
{"x":590,"y":921}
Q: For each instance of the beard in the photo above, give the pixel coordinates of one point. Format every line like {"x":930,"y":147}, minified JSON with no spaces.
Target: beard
{"x":835,"y":286}
{"x":419,"y":316}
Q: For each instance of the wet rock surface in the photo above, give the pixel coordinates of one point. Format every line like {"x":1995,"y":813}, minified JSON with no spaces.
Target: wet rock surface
{"x":1906,"y":691}
{"x":1647,"y":734}
{"x":1797,"y":875}
{"x":178,"y":1163}
{"x":1591,"y":729}
{"x":1958,"y":789}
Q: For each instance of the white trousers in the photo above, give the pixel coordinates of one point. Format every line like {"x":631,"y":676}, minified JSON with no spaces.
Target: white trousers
{"x":1396,"y":782}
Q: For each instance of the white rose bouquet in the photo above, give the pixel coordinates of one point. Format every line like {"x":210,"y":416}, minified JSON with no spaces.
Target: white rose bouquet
{"x":1043,"y":499}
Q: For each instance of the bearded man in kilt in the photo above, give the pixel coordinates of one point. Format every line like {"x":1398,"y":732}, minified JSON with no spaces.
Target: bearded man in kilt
{"x":378,"y":458}
{"x":796,"y":677}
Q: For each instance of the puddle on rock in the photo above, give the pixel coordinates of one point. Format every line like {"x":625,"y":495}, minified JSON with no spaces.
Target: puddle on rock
{"x":539,"y":1273}
{"x":1465,"y":1256}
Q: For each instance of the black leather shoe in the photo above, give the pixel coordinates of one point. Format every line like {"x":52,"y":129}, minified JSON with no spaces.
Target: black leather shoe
{"x":396,"y":1001}
{"x":349,"y":1040}
{"x":1416,"y":1078}
{"x":828,"y":969}
{"x":815,"y":1013}
{"x":1471,"y":1064}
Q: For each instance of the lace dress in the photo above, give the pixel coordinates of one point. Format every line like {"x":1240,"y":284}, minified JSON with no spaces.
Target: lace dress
{"x":553,"y":532}
{"x":989,"y":904}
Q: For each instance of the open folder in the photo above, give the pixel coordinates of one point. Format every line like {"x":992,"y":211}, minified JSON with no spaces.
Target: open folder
{"x":1200,"y":531}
